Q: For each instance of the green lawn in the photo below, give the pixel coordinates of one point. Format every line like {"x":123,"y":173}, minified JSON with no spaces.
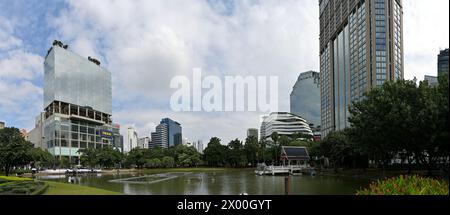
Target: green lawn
{"x":57,"y":188}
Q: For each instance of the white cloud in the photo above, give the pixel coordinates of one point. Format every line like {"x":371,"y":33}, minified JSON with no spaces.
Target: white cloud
{"x":20,"y":98}
{"x":425,"y":32}
{"x":146,"y":43}
{"x":7,"y":40}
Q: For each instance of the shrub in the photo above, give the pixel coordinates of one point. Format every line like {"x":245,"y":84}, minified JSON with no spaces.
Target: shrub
{"x":406,"y":185}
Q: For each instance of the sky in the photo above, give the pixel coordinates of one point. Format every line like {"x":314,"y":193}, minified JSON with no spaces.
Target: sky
{"x":144,"y":44}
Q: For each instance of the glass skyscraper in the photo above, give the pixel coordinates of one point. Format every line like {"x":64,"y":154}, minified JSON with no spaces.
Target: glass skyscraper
{"x":361,"y":47}
{"x":443,"y":62}
{"x":77,"y":104}
{"x":174,"y":133}
{"x":305,"y":97}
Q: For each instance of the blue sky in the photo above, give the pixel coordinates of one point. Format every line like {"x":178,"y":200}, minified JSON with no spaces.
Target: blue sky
{"x":146,"y":43}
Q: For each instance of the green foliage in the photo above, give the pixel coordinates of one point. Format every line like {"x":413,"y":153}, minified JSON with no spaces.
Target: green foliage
{"x":406,"y":185}
{"x":215,"y":153}
{"x":136,"y":157}
{"x":400,"y":117}
{"x":14,"y":150}
{"x":41,"y":158}
{"x":168,"y":162}
{"x":236,"y":154}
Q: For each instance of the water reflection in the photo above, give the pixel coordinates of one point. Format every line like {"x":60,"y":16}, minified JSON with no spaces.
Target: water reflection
{"x":231,"y":182}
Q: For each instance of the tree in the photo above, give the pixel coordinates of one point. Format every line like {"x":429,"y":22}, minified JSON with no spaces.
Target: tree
{"x":14,"y":150}
{"x":88,"y":157}
{"x":168,"y":162}
{"x":236,"y":156}
{"x":215,"y":153}
{"x":136,"y":157}
{"x":252,"y":150}
{"x":108,"y":157}
{"x":41,"y":158}
{"x":401,"y":118}
{"x":153,"y":163}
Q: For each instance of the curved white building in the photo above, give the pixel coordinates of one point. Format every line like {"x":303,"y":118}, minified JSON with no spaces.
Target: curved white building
{"x":284,"y":124}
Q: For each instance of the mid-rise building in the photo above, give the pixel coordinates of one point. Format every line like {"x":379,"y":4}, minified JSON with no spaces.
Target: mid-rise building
{"x":443,"y":62}
{"x":117,"y":138}
{"x":174,"y":133}
{"x":199,"y":146}
{"x":252,"y":132}
{"x":36,"y":135}
{"x":262,"y":130}
{"x":131,"y":141}
{"x":305,"y":97}
{"x":2,"y":125}
{"x":284,"y":124}
{"x":159,"y":138}
{"x":361,"y":47}
{"x":144,"y":142}
{"x":432,"y":80}
{"x":77,"y":103}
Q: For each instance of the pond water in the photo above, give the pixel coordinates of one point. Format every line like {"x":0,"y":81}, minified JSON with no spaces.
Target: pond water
{"x":228,"y":182}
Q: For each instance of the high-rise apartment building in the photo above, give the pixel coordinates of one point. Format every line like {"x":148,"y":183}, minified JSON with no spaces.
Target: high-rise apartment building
{"x":305,"y":97}
{"x":131,"y":141}
{"x":77,"y":103}
{"x":443,"y":62}
{"x":361,"y":47}
{"x":159,"y":138}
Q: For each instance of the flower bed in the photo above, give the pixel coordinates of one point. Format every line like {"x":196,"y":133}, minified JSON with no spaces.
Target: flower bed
{"x":406,"y":185}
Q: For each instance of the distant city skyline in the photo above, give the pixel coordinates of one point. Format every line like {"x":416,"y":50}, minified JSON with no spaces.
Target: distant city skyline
{"x":145,"y":46}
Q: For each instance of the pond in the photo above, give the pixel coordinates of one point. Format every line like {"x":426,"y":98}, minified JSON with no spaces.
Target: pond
{"x":228,"y":182}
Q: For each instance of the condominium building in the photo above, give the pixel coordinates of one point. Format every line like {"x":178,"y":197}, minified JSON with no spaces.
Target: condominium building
{"x":144,"y":142}
{"x":77,"y":103}
{"x":361,"y":47}
{"x":159,"y":138}
{"x":305,"y":97}
{"x":284,"y":124}
{"x":131,"y":141}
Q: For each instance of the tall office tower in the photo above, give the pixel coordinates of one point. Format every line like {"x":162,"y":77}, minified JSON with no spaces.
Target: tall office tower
{"x":77,"y":103}
{"x":174,"y":133}
{"x":159,"y":138}
{"x":199,"y":146}
{"x":305,"y":97}
{"x":443,"y":62}
{"x":361,"y":47}
{"x":132,"y":140}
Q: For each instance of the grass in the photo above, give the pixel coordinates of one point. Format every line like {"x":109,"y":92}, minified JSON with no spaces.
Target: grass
{"x":13,"y":178}
{"x":57,"y":188}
